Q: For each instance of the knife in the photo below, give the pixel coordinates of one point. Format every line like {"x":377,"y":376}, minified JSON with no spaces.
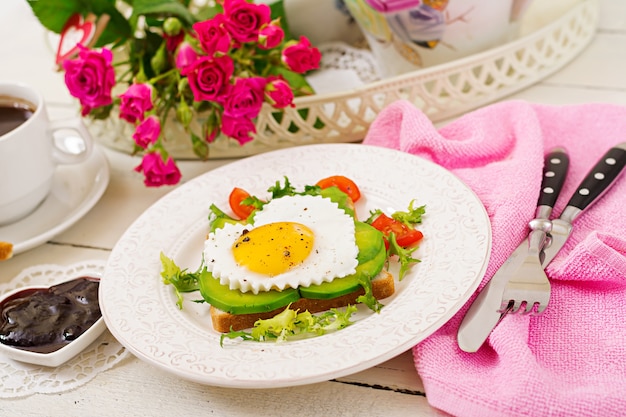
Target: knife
{"x":592,"y":187}
{"x":484,"y":313}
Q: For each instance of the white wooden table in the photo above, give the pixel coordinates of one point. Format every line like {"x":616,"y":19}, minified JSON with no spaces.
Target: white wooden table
{"x":136,"y":388}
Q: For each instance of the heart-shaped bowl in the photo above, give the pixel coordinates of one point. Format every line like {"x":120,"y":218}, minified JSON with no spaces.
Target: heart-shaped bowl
{"x":19,"y":311}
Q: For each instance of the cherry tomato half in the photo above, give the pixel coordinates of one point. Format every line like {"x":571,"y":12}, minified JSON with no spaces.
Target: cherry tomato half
{"x":234,"y":200}
{"x":405,"y":235}
{"x":345,"y":184}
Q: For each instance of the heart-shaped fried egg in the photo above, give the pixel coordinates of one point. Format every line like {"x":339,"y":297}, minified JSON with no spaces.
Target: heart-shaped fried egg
{"x":294,"y":241}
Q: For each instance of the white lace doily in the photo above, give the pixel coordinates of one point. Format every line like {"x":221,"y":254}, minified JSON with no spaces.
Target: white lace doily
{"x":339,"y":55}
{"x":343,"y":67}
{"x":19,"y":379}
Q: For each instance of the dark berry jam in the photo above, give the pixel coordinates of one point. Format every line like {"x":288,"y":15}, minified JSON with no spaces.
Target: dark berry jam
{"x":46,"y":319}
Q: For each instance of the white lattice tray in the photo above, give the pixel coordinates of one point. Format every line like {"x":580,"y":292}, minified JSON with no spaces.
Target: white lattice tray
{"x":441,"y":92}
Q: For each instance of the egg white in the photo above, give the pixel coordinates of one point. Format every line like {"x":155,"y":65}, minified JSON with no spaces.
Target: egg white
{"x":334,"y":253}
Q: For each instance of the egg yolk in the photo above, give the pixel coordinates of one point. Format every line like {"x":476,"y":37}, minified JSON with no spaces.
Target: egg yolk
{"x":273,"y":248}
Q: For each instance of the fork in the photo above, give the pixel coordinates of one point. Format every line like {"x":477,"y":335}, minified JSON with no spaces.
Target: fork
{"x":528,"y":289}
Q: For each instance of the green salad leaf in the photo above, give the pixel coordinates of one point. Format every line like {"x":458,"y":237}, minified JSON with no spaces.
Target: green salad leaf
{"x":290,"y":323}
{"x":412,"y":216}
{"x":181,"y":280}
{"x":404,"y":255}
{"x":368,"y":298}
{"x":217,"y":218}
{"x":280,"y":191}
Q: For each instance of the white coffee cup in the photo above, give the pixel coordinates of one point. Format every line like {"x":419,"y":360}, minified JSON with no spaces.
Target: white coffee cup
{"x":31,"y":151}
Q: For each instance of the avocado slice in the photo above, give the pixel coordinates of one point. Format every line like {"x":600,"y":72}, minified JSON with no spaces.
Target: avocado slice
{"x":237,"y":302}
{"x":372,"y":257}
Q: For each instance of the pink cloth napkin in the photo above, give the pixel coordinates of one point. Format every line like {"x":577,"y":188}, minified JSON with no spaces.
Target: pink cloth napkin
{"x":570,"y":361}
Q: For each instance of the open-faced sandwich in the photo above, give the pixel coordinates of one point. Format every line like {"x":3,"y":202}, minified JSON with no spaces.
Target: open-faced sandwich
{"x":275,"y":261}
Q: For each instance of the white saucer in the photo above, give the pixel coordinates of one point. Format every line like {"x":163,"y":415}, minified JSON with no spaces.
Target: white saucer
{"x":75,"y":190}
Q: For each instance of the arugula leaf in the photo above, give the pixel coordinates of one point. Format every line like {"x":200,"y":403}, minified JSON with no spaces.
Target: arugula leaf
{"x":280,"y":191}
{"x":404,"y":255}
{"x":373,"y":214}
{"x":217,"y":218}
{"x":290,"y":323}
{"x":410,"y":217}
{"x":182,"y":280}
{"x":254,"y":201}
{"x":312,"y":190}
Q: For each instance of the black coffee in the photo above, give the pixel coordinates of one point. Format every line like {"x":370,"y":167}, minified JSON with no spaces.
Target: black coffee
{"x":13,"y":112}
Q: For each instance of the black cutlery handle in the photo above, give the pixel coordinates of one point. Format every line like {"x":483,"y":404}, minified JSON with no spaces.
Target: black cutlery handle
{"x":600,"y":178}
{"x":554,"y":172}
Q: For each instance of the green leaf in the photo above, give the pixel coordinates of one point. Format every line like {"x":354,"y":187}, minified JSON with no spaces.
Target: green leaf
{"x":297,"y":81}
{"x":278,"y":327}
{"x":368,"y":298}
{"x":280,"y":191}
{"x":118,"y":28}
{"x":217,"y":218}
{"x":403,"y":254}
{"x":234,"y":335}
{"x":277,"y":10}
{"x":412,"y":216}
{"x":53,"y":14}
{"x":182,"y":280}
{"x":290,"y":323}
{"x":206,"y":13}
{"x":200,"y":147}
{"x":165,"y":8}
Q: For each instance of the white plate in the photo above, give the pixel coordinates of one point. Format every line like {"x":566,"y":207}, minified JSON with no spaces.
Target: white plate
{"x":75,"y":190}
{"x":141,"y":312}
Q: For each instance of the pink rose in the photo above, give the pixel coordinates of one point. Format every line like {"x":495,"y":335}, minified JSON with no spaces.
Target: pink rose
{"x":213,"y":36}
{"x":185,"y":55}
{"x":301,"y":57}
{"x":209,"y":77}
{"x":244,"y":20}
{"x":90,"y":78}
{"x":278,"y":93}
{"x":147,"y":132}
{"x":271,"y":36}
{"x":245,"y":97}
{"x":238,"y":128}
{"x":135,"y":102}
{"x":157,"y":172}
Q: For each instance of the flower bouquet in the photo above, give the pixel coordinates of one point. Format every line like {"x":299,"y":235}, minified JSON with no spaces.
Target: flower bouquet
{"x":217,"y":63}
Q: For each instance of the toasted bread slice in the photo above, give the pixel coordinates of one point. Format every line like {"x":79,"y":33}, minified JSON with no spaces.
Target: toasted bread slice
{"x":6,"y":251}
{"x":382,"y":287}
